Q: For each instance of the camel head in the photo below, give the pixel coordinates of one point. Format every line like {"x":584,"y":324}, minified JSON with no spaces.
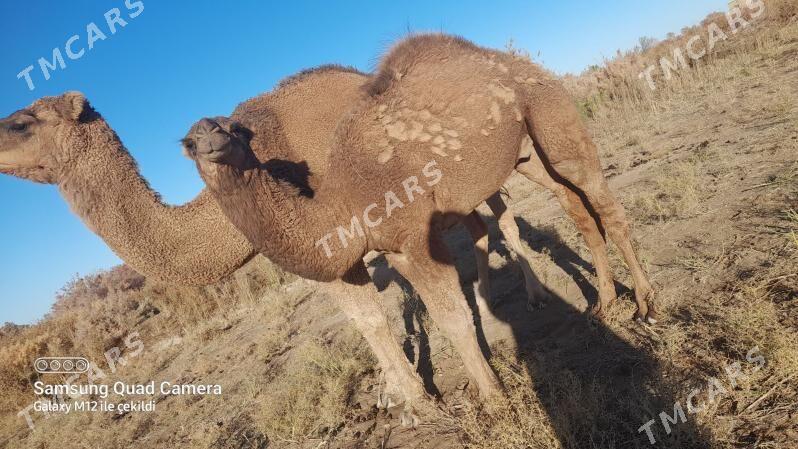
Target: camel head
{"x":219,"y":141}
{"x":34,"y":141}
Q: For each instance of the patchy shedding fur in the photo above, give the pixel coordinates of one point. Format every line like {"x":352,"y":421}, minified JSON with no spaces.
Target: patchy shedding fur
{"x":452,"y":83}
{"x":409,"y":51}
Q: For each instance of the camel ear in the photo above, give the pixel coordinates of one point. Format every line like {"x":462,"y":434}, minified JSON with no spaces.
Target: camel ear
{"x":74,"y":106}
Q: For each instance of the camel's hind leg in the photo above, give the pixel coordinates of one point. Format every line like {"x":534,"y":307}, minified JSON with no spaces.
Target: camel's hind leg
{"x":427,"y":265}
{"x":535,"y":171}
{"x":537,"y":297}
{"x":563,"y":143}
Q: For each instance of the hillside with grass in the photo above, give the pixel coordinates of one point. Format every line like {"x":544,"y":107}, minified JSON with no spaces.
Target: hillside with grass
{"x":706,"y":165}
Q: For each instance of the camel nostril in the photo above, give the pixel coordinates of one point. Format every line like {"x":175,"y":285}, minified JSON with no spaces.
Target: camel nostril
{"x":208,"y":126}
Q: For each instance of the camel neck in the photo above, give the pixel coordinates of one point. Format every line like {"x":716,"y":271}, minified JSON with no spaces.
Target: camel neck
{"x":287,"y":227}
{"x":189,"y":244}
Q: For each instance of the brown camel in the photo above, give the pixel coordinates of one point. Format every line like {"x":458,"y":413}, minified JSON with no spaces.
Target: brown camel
{"x":62,"y":140}
{"x":435,"y":103}
{"x":43,"y":143}
{"x":292,"y":144}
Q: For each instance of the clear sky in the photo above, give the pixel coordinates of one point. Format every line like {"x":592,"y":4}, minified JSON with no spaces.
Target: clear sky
{"x":178,"y":61}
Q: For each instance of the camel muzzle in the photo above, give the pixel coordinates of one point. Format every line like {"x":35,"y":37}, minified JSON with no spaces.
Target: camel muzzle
{"x":212,"y":142}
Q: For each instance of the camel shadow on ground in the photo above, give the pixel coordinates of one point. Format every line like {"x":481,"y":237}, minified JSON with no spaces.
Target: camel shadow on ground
{"x":596,"y":388}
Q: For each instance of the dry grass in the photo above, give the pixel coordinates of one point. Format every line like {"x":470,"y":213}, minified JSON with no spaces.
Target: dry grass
{"x":310,"y":397}
{"x":515,"y":422}
{"x":724,"y":330}
{"x":792,"y":235}
{"x":781,"y":11}
{"x":94,"y":314}
{"x":673,"y":194}
{"x":615,"y":89}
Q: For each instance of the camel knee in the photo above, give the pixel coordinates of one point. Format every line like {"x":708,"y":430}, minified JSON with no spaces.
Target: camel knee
{"x":603,"y":201}
{"x":620,"y":227}
{"x":614,"y":220}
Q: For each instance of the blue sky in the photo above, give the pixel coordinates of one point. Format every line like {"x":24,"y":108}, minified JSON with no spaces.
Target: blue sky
{"x":177,"y":62}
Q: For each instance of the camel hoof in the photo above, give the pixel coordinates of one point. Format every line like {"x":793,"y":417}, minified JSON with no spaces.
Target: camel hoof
{"x":423,"y":408}
{"x":652,"y":317}
{"x":409,"y":418}
{"x":385,"y":401}
{"x":648,"y":319}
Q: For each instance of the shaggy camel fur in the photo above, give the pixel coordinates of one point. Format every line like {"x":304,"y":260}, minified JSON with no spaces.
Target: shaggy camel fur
{"x":436,"y":102}
{"x":62,"y":140}
{"x":47,"y":142}
{"x":281,"y":138}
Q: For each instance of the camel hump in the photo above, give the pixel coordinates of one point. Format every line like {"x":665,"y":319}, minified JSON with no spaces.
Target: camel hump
{"x":261,"y":104}
{"x":318,"y":70}
{"x":405,"y":53}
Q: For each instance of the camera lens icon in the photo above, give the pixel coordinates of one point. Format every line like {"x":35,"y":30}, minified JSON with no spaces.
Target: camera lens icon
{"x":55,"y":365}
{"x":42,"y":365}
{"x":68,"y":365}
{"x":81,"y":365}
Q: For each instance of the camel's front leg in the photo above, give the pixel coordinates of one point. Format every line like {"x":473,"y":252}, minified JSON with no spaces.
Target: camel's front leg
{"x":427,"y":265}
{"x":360,"y":301}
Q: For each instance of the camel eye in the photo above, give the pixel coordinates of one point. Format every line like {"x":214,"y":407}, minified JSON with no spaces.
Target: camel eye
{"x":241,"y":131}
{"x":19,"y":127}
{"x":188,"y":144}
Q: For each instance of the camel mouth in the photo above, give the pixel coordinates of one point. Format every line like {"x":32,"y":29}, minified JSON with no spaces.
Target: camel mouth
{"x":214,"y":146}
{"x":218,"y":156}
{"x":218,"y":140}
{"x":212,"y":142}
